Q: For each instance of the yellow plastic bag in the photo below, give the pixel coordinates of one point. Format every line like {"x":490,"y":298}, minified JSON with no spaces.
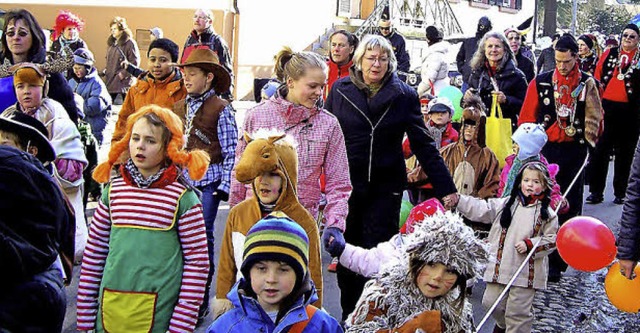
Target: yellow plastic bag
{"x":498,"y":132}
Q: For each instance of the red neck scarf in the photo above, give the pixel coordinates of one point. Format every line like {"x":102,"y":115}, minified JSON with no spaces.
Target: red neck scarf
{"x":570,"y":81}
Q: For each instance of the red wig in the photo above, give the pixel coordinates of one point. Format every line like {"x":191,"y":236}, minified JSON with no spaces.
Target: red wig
{"x":64,"y":19}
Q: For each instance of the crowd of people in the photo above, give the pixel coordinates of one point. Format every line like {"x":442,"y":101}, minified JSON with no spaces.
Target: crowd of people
{"x":321,"y":162}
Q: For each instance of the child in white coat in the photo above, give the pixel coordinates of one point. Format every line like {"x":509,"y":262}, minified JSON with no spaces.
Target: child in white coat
{"x":518,"y":222}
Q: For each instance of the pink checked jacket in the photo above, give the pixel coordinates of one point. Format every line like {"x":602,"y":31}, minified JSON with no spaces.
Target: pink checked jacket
{"x":321,"y":148}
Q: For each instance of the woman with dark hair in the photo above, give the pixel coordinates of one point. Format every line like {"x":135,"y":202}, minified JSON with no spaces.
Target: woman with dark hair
{"x":494,"y":71}
{"x":24,"y":41}
{"x":435,"y":69}
{"x":343,"y":44}
{"x":121,"y":48}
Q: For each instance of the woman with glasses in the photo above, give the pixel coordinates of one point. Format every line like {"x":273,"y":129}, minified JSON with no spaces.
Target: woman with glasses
{"x":24,"y":41}
{"x":375,"y":109}
{"x":494,"y":72}
{"x":618,"y":73}
{"x":524,"y":64}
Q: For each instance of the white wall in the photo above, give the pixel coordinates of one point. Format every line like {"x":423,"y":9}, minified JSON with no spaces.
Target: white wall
{"x":468,"y":16}
{"x":268,"y":25}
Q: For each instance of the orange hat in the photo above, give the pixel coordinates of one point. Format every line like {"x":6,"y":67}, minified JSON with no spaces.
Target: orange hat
{"x":196,"y":161}
{"x":28,"y":73}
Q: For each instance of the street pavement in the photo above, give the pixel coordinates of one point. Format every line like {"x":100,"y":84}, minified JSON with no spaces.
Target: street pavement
{"x":577,"y":303}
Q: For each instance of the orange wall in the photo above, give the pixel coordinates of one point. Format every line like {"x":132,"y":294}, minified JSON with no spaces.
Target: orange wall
{"x":176,"y":24}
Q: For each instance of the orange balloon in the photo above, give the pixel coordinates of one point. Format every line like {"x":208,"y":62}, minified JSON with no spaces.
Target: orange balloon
{"x":623,"y":293}
{"x":586,"y":244}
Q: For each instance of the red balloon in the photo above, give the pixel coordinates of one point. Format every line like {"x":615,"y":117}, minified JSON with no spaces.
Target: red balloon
{"x":586,"y":244}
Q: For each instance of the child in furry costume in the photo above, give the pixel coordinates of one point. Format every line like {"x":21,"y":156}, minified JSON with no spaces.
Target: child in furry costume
{"x":274,"y":152}
{"x":410,"y":294}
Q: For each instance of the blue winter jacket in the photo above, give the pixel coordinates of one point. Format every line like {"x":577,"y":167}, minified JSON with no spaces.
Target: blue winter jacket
{"x":97,"y":101}
{"x":248,"y":315}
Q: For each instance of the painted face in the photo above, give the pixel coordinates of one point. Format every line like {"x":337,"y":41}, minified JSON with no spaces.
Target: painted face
{"x":201,"y":21}
{"x":629,"y":40}
{"x":385,"y":28}
{"x":435,"y":279}
{"x":269,"y":186}
{"x":9,"y":139}
{"x":159,"y":63}
{"x":70,"y":32}
{"x":340,"y":49}
{"x":583,"y":49}
{"x":115,"y":31}
{"x":469,"y":131}
{"x":532,"y":182}
{"x":494,"y":50}
{"x":440,"y":118}
{"x":565,"y":62}
{"x":307,"y":89}
{"x":29,"y":96}
{"x":145,"y":147}
{"x":514,"y":41}
{"x":375,"y":64}
{"x":272,"y":281}
{"x":79,"y":70}
{"x":196,"y":80}
{"x":19,"y":37}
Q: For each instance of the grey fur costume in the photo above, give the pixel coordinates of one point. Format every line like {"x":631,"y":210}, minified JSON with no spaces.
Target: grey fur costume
{"x":439,"y":238}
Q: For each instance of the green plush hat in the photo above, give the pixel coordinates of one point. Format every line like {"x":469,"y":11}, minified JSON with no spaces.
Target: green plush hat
{"x":277,"y":238}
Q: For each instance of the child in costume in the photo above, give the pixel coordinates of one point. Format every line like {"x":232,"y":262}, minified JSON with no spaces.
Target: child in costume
{"x":368,"y":262}
{"x":146,"y":263}
{"x":437,"y":119}
{"x":275,"y":292}
{"x":30,"y":82}
{"x":270,"y":163}
{"x":517,"y":223}
{"x":425,"y":288}
{"x":528,"y":141}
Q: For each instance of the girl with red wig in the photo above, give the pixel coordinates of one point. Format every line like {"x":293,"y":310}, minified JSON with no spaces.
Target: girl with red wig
{"x":66,"y":33}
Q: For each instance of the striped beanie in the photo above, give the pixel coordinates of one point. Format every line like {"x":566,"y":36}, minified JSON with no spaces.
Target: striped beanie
{"x":277,"y":238}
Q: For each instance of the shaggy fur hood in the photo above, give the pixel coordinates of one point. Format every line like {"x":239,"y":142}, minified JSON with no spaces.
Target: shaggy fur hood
{"x":439,"y":238}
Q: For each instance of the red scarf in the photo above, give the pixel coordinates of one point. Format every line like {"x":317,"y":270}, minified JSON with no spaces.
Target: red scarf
{"x":168,"y":177}
{"x":572,"y":80}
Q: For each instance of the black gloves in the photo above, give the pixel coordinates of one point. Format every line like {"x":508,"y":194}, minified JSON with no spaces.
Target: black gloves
{"x":221,"y":195}
{"x":333,"y":241}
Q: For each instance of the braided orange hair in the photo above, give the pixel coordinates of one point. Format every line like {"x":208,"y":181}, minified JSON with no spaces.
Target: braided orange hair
{"x":196,"y":161}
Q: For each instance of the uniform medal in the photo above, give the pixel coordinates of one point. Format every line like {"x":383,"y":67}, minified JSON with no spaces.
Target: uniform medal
{"x":620,"y":77}
{"x":570,"y":130}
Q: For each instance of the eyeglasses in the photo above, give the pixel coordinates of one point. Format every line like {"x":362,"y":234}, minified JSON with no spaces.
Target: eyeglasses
{"x":629,"y":36}
{"x":20,"y":33}
{"x":204,"y":18}
{"x":380,"y":61}
{"x":385,"y":28}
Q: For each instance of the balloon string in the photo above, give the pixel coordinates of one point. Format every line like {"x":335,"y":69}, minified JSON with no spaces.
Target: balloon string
{"x":531,"y":252}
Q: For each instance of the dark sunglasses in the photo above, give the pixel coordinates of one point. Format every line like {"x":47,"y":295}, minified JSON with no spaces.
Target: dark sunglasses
{"x":629,"y":36}
{"x":384,"y":28}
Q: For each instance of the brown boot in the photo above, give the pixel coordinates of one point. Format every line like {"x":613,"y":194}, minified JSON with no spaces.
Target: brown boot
{"x":497,"y":329}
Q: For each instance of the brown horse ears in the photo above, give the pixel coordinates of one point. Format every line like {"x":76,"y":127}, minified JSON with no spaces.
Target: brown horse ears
{"x":273,"y":139}
{"x":247,"y":138}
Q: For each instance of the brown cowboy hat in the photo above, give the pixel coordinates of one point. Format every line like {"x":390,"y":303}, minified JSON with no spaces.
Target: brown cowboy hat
{"x":208,"y":60}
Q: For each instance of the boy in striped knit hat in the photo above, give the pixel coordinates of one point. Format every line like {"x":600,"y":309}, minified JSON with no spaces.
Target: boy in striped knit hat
{"x":146,"y":263}
{"x":275,"y":291}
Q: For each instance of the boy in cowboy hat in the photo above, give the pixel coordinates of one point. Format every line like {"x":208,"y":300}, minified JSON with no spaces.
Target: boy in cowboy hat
{"x":209,"y":124}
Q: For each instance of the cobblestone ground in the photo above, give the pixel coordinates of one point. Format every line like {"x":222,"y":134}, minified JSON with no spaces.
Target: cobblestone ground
{"x":579,"y":304}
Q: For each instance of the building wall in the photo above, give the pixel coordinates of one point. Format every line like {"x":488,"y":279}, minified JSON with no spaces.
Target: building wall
{"x":175,"y":22}
{"x":468,"y":15}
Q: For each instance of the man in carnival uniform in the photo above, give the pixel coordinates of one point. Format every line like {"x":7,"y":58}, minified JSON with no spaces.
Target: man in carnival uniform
{"x":618,"y":71}
{"x":567,"y":103}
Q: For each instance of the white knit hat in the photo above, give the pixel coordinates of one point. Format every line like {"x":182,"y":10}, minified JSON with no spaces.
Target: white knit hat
{"x":531,"y":138}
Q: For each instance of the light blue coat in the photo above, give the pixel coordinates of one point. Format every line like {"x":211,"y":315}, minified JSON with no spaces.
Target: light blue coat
{"x":97,"y":101}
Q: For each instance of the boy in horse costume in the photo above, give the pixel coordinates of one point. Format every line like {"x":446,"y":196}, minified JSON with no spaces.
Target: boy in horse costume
{"x":270,"y":163}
